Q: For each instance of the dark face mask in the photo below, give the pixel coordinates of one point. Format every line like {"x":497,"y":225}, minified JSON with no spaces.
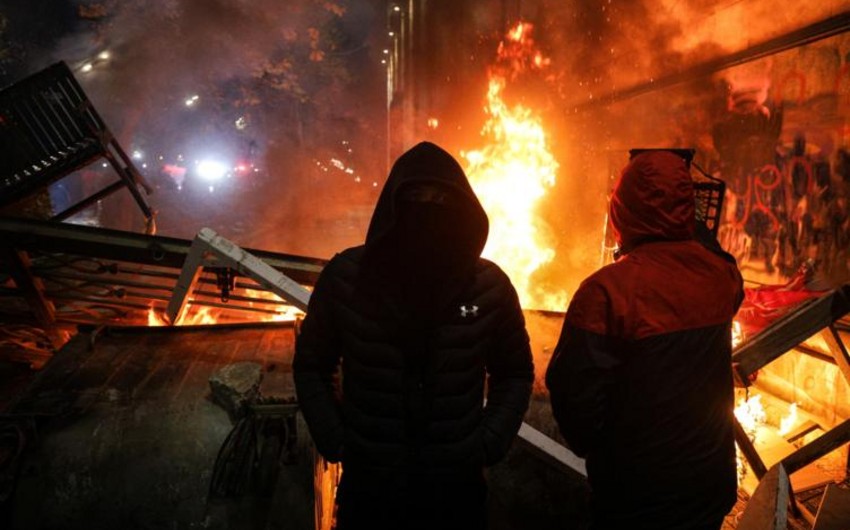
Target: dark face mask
{"x":429,"y":240}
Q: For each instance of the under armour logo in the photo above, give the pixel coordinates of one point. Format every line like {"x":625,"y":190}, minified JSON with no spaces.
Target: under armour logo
{"x":468,"y":310}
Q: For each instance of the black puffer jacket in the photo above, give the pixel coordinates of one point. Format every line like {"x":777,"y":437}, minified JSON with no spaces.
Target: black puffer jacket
{"x":411,"y":398}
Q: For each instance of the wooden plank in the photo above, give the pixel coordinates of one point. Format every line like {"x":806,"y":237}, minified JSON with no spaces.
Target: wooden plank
{"x":33,"y":291}
{"x":800,"y":430}
{"x":772,"y":449}
{"x":167,"y":374}
{"x":834,"y":510}
{"x":839,"y":351}
{"x":551,"y":451}
{"x":275,"y":352}
{"x":768,"y":507}
{"x":807,"y":454}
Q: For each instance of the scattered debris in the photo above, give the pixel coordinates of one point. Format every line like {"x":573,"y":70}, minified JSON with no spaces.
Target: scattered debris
{"x":236,"y":385}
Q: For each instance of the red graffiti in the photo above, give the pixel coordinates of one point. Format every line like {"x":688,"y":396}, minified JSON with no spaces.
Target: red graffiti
{"x":756,"y":199}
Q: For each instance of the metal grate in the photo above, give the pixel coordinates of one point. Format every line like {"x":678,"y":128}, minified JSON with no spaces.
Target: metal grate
{"x":49,"y":129}
{"x":709,"y":202}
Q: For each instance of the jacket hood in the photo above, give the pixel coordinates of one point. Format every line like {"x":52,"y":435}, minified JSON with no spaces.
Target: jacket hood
{"x":653,"y":200}
{"x":427,"y":163}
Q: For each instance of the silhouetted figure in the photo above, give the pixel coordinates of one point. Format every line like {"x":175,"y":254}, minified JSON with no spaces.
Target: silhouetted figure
{"x":418,"y":322}
{"x":641,"y":378}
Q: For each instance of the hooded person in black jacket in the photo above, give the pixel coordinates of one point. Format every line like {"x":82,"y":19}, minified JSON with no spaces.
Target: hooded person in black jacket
{"x":418,"y":323}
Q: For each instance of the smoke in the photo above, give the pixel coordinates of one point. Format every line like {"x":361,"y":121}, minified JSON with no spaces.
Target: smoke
{"x":288,"y":85}
{"x":598,"y":48}
{"x":234,"y":53}
{"x":603,"y":48}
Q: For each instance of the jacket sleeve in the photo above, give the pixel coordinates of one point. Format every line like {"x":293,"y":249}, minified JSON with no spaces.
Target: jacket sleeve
{"x":511,"y":373}
{"x":315,"y":372}
{"x":581,"y":374}
{"x":580,"y":377}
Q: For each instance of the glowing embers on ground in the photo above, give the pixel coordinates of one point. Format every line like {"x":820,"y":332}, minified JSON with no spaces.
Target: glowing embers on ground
{"x":513,"y":172}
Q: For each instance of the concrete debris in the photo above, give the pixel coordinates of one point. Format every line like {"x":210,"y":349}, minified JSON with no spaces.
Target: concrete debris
{"x":235,"y":385}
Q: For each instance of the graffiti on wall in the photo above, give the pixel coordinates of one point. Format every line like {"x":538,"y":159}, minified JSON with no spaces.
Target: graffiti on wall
{"x":781,"y":151}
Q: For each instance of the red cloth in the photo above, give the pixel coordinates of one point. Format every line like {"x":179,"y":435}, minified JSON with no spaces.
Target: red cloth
{"x":764,"y":305}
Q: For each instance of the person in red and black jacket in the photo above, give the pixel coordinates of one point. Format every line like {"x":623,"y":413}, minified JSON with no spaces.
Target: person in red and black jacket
{"x":641,"y":379}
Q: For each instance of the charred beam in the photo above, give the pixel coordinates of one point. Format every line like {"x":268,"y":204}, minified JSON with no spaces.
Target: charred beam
{"x":838,"y":350}
{"x":827,"y":443}
{"x":33,"y":292}
{"x":749,"y":450}
{"x":768,"y":507}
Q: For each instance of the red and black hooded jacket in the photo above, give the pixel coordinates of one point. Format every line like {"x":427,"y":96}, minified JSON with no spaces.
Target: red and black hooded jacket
{"x":640,"y":381}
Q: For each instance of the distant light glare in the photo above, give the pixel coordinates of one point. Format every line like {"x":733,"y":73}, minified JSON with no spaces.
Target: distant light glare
{"x":137,"y":154}
{"x":192,"y":100}
{"x":104,"y":55}
{"x":211,"y":170}
{"x":87,"y":67}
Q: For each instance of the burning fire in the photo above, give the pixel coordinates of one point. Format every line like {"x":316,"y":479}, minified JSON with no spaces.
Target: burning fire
{"x":751,"y":415}
{"x":787,"y":423}
{"x":154,"y":319}
{"x":198,"y":315}
{"x":737,"y":334}
{"x":512,"y":174}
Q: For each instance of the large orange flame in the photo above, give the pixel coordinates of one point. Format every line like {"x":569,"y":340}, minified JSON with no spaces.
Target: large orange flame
{"x":513,"y":172}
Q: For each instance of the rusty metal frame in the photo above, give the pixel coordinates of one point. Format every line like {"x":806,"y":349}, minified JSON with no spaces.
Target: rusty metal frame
{"x":56,"y":276}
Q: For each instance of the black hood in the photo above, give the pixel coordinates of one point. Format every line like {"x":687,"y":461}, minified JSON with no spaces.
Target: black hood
{"x":428,"y":163}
